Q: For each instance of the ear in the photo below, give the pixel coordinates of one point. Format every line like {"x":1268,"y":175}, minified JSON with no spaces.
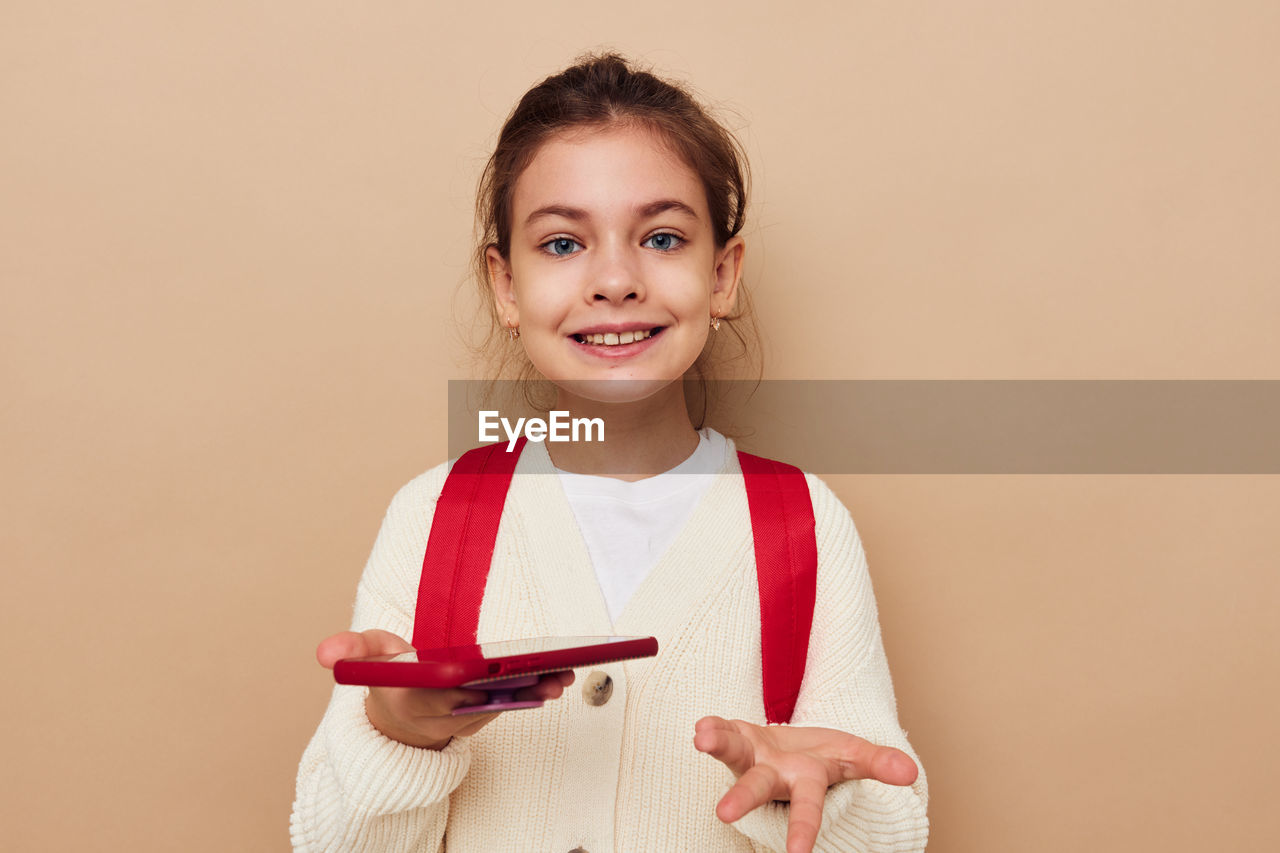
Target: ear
{"x":504,"y":292}
{"x":728,"y":274}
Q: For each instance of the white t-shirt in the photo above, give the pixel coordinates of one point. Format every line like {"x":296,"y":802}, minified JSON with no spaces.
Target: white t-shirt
{"x":628,"y":526}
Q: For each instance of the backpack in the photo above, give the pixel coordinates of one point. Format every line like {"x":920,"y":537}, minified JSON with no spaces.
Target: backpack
{"x":464,"y":529}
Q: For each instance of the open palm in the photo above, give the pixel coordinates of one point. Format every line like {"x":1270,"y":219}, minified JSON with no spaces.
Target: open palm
{"x":797,"y":764}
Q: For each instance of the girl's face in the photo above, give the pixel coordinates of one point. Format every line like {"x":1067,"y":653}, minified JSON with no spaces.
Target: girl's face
{"x":613,"y":271}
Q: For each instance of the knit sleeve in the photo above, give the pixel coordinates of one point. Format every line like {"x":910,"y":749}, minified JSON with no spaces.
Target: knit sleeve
{"x":847,"y":686}
{"x":357,"y":789}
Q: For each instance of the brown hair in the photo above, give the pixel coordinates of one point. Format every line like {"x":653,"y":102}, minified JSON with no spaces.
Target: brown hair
{"x":598,"y":91}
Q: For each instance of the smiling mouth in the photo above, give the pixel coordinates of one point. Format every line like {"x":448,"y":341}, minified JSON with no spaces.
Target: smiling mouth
{"x":614,"y":339}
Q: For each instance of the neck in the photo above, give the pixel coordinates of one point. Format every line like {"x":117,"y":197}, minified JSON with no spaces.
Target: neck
{"x":641,"y":438}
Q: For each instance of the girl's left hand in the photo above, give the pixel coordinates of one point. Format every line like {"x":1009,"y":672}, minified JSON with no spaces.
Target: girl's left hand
{"x":795,"y":763}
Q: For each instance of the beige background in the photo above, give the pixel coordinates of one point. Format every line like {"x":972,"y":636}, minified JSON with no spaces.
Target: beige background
{"x":231,"y":236}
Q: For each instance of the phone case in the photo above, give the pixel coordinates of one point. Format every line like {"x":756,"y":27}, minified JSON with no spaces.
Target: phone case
{"x":497,"y":668}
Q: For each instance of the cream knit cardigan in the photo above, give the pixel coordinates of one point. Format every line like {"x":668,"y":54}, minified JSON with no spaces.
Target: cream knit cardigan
{"x":623,"y":776}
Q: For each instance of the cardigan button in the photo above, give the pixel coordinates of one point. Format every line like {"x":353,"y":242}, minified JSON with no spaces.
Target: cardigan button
{"x":596,"y":690}
{"x":578,"y":850}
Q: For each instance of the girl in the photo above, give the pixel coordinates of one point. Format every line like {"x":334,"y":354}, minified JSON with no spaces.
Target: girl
{"x":611,"y":211}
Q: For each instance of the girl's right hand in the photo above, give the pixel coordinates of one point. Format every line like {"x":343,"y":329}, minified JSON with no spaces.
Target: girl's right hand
{"x":420,"y":716}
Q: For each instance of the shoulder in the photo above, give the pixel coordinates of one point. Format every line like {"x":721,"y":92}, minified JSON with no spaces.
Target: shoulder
{"x":418,"y":496}
{"x":845,"y":600}
{"x":846,"y":617}
{"x":388,"y":587}
{"x":407,"y":522}
{"x":834,"y":525}
{"x":845,"y":596}
{"x":413,"y":507}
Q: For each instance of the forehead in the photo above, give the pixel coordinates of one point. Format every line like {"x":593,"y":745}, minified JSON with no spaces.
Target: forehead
{"x":606,"y":172}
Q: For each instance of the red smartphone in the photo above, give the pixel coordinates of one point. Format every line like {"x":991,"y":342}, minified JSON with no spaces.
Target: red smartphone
{"x":497,"y":668}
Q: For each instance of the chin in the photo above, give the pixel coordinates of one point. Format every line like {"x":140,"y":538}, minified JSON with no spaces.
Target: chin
{"x":613,"y":390}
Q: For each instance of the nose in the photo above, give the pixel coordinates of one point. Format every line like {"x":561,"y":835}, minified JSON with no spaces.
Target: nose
{"x":615,"y":277}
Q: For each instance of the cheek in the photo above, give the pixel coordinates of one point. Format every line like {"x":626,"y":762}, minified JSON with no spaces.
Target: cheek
{"x":696,"y":298}
{"x":691,"y":284}
{"x":541,"y":300}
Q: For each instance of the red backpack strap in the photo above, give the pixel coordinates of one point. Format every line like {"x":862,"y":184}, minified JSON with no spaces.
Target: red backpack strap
{"x":786,"y":548}
{"x":460,"y":546}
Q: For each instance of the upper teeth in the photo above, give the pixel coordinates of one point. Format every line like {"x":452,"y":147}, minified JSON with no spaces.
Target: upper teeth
{"x":612,"y":338}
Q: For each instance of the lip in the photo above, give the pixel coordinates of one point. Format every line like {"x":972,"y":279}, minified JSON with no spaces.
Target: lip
{"x":606,"y":328}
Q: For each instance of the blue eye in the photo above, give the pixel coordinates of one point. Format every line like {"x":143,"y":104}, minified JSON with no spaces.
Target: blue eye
{"x":663,"y":242}
{"x":561,"y":246}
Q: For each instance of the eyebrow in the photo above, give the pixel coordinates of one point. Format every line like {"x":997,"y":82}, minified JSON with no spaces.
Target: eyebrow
{"x":645,"y":211}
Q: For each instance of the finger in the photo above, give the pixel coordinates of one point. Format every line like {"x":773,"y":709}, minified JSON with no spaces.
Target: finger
{"x":446,"y":700}
{"x":481,"y":720}
{"x":423,"y":707}
{"x":722,"y":741}
{"x":339,"y":646}
{"x":379,"y":642}
{"x":550,"y":686}
{"x":710,"y":723}
{"x":755,"y":788}
{"x":895,"y":767}
{"x":714,"y":723}
{"x":807,"y":795}
{"x":862,"y":759}
{"x":350,"y":644}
